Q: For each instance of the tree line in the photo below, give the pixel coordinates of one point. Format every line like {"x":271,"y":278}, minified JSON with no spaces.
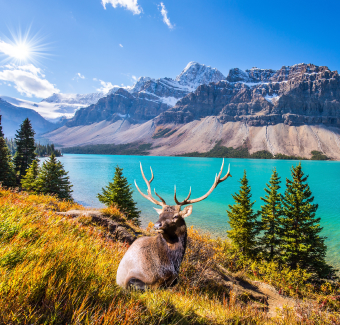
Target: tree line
{"x":41,"y":150}
{"x":23,"y":171}
{"x":285,"y":229}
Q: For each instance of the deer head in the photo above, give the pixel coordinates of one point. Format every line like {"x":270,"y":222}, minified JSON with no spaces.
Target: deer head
{"x":171,"y":217}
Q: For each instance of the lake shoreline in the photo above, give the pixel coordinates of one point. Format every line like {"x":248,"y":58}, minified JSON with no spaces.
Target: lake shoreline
{"x":89,"y":173}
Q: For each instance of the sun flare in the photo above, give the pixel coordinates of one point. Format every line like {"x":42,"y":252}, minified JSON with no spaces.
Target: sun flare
{"x":21,"y":51}
{"x":22,"y":48}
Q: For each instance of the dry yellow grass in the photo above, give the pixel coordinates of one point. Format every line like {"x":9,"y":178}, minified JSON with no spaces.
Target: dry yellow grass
{"x":55,"y":270}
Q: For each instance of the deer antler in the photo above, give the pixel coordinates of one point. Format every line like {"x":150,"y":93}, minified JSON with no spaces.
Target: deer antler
{"x":217,"y":181}
{"x":149,"y":196}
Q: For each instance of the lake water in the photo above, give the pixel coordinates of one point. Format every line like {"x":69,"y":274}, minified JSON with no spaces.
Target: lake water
{"x":89,"y":173}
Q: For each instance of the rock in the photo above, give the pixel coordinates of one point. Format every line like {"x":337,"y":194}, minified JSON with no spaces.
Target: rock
{"x":296,"y":95}
{"x":116,"y":231}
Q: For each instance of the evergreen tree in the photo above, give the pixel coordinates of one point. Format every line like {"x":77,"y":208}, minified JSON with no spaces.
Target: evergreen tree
{"x":301,"y":241}
{"x":25,"y":148}
{"x":1,"y":133}
{"x":28,"y":182}
{"x":7,"y":174}
{"x":53,"y":179}
{"x":11,"y":146}
{"x":271,"y":213}
{"x":243,"y":220}
{"x":119,"y":193}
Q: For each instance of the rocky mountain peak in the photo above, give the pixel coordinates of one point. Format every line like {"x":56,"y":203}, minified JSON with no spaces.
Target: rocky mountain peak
{"x":138,"y":86}
{"x":195,"y":74}
{"x":252,"y":75}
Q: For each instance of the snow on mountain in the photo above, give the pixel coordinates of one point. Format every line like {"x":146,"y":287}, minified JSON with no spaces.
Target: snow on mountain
{"x":57,"y":106}
{"x":196,"y":74}
{"x":168,"y":90}
{"x":250,"y":76}
{"x":163,"y":91}
{"x":78,"y":99}
{"x":137,"y":87}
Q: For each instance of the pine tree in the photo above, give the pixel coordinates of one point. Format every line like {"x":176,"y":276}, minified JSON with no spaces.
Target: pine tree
{"x":119,"y":193}
{"x":25,"y":148}
{"x":53,"y":179}
{"x":271,"y":213}
{"x":301,"y":241}
{"x":243,"y":220}
{"x":7,"y":173}
{"x":28,"y":182}
{"x":1,"y":133}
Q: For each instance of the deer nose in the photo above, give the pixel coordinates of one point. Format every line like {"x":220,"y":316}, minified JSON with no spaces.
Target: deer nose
{"x":157,"y":225}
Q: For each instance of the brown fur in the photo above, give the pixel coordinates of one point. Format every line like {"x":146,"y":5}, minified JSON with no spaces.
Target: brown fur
{"x":155,"y":261}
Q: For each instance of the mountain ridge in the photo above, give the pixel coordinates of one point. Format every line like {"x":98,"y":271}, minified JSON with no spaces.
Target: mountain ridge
{"x":13,"y":116}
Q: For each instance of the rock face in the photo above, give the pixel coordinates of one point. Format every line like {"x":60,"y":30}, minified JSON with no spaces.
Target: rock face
{"x":147,"y":98}
{"x":291,"y":111}
{"x":296,"y":95}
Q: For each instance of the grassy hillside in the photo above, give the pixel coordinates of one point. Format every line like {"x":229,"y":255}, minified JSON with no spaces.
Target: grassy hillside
{"x":59,"y":270}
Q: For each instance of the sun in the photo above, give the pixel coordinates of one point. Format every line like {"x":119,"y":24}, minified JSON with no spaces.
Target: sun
{"x":23,"y":48}
{"x":21,"y":51}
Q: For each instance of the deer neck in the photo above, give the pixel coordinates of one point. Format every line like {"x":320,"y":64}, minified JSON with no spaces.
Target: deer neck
{"x":175,"y":246}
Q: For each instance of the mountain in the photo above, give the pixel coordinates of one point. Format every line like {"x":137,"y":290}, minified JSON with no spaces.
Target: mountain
{"x":196,"y":74}
{"x":292,"y":111}
{"x":296,"y":95}
{"x":147,"y":98}
{"x":13,"y":116}
{"x":150,"y":95}
{"x":57,"y":106}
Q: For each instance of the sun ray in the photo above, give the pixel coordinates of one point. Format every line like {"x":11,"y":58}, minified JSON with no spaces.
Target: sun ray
{"x":23,"y":47}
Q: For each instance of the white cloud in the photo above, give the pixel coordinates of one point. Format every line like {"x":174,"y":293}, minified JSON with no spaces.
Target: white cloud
{"x":80,"y":75}
{"x":164,"y":13}
{"x":7,"y":48}
{"x":106,"y":86}
{"x":28,"y":80}
{"x":131,"y":5}
{"x":120,"y":45}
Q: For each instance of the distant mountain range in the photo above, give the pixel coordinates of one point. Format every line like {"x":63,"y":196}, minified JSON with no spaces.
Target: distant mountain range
{"x":13,"y":116}
{"x":292,"y":111}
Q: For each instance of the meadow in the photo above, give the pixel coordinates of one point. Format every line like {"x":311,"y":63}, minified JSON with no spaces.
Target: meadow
{"x":59,"y":270}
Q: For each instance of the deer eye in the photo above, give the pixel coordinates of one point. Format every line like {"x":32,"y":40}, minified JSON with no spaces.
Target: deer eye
{"x":176,"y":216}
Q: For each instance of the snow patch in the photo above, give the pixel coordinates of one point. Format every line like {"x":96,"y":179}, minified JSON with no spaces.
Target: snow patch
{"x":271,"y":98}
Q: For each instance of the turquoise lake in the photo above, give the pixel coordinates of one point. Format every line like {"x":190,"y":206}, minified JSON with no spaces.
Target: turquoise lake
{"x":89,"y":173}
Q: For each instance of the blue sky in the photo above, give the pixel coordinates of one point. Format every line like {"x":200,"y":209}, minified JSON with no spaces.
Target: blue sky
{"x":82,"y":43}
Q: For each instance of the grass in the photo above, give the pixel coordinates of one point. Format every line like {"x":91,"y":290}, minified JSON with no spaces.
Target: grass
{"x":58,"y":270}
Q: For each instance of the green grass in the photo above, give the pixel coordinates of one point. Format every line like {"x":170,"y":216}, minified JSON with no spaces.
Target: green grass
{"x":59,"y":270}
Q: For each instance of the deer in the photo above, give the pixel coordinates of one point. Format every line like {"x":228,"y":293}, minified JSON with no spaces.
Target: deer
{"x":154,"y":262}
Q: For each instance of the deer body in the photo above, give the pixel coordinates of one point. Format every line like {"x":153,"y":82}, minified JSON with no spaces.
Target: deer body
{"x":152,"y":262}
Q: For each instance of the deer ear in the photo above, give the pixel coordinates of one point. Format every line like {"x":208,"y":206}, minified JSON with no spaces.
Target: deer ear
{"x":186,"y":211}
{"x":159,"y":211}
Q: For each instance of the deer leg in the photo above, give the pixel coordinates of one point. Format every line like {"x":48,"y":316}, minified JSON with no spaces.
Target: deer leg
{"x":136,"y":284}
{"x":135,"y":280}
